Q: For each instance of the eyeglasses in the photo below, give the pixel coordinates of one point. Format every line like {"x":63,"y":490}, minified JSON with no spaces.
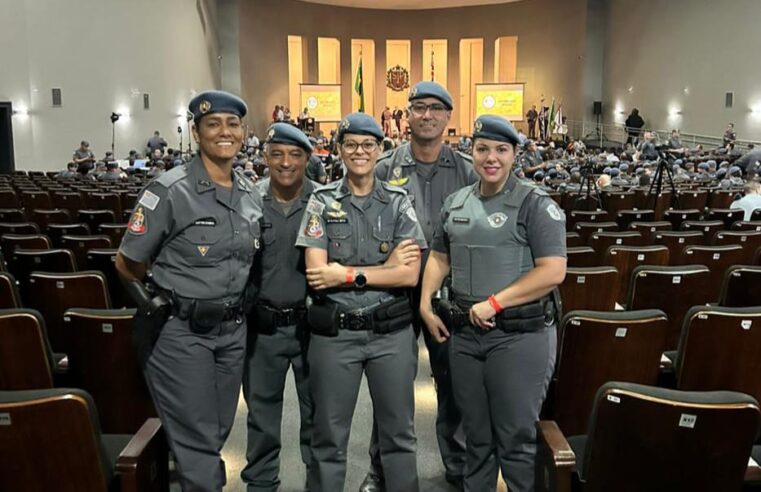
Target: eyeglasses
{"x":368,"y":146}
{"x":419,"y":109}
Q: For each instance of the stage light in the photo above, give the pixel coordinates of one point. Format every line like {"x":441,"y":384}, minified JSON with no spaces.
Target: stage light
{"x":21,"y":110}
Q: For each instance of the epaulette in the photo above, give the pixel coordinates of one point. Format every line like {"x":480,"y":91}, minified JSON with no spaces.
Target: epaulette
{"x":465,"y":156}
{"x":333,"y":185}
{"x":386,"y":155}
{"x":172,"y":176}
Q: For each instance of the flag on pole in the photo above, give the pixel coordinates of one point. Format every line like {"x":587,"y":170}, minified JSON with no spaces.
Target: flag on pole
{"x":433,"y":70}
{"x":558,"y":128}
{"x":551,"y":125}
{"x":358,"y":86}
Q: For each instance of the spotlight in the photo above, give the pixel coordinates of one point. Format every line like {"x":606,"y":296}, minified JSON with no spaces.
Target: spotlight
{"x":115,"y":117}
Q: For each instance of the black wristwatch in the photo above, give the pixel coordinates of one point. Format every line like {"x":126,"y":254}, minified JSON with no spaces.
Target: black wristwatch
{"x":360,"y":280}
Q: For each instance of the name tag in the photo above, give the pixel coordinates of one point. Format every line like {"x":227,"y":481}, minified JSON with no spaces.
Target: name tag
{"x":336,"y":221}
{"x":210,"y":222}
{"x":461,"y":220}
{"x":266,"y":225}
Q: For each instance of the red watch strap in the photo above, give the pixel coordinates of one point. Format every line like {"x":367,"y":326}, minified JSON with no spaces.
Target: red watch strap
{"x":494,"y":304}
{"x":350,"y":275}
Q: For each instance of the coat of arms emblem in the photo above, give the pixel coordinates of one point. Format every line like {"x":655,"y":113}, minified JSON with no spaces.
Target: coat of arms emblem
{"x":397,"y":78}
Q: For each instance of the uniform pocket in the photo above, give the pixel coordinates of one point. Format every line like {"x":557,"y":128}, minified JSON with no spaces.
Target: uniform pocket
{"x":201,"y":244}
{"x":460,"y":260}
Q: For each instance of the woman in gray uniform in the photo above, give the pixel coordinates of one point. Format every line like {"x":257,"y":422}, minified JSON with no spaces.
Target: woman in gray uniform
{"x":503,"y":241}
{"x":197,"y":228}
{"x":362,"y":241}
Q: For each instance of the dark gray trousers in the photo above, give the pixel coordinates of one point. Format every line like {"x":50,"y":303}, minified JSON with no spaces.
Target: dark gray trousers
{"x":195,"y":383}
{"x":268,"y":359}
{"x":500,"y":381}
{"x":389,"y":362}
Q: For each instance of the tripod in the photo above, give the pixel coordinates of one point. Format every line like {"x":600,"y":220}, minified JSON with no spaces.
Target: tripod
{"x":588,"y":181}
{"x":657,"y":184}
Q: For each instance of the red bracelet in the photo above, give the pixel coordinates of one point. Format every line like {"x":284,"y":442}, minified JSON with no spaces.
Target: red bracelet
{"x":350,"y":275}
{"x":494,"y":304}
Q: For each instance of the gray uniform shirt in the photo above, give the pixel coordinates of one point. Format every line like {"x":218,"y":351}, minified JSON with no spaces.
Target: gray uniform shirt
{"x":281,"y":280}
{"x":486,"y":226}
{"x":452,"y":171}
{"x":359,"y":236}
{"x":202,"y":246}
{"x":156,"y":143}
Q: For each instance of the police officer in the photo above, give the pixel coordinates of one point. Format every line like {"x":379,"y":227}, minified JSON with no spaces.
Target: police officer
{"x":503,"y":240}
{"x":112,"y":174}
{"x":361,"y":237}
{"x":197,"y":227}
{"x":429,"y":171}
{"x":69,"y":173}
{"x":278,"y":337}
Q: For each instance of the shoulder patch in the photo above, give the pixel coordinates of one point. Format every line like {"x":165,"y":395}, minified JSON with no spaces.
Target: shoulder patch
{"x":314,"y":227}
{"x":149,"y":200}
{"x":314,"y":206}
{"x":554,"y":211}
{"x":137,"y":223}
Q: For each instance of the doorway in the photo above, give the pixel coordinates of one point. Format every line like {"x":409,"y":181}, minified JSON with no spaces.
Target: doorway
{"x":7,"y":161}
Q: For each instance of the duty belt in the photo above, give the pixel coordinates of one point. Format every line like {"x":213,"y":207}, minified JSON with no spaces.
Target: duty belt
{"x":283,"y":316}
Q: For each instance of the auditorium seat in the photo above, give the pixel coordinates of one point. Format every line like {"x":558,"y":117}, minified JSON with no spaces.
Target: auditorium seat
{"x":19,"y":228}
{"x":572,"y":240}
{"x":648,"y":229}
{"x":586,"y":216}
{"x":707,"y":227}
{"x":581,"y":256}
{"x":741,"y":286}
{"x":675,"y":241}
{"x":750,"y":225}
{"x":626,"y":258}
{"x":721,"y":198}
{"x":720,"y":349}
{"x":10,"y":242}
{"x":104,"y":260}
{"x":672,"y":289}
{"x":676,"y":217}
{"x":57,"y":231}
{"x":68,"y":200}
{"x":43,"y":217}
{"x":79,"y":245}
{"x":94,"y":218}
{"x":9,"y":294}
{"x":717,"y":259}
{"x":103,"y":362}
{"x":615,"y":201}
{"x":105,"y":201}
{"x":727,"y":215}
{"x":589,"y":288}
{"x":31,"y":200}
{"x":626,"y":217}
{"x":746,"y":239}
{"x":643,"y":438}
{"x":585,"y":229}
{"x":53,"y":293}
{"x":26,"y":359}
{"x":12,"y":215}
{"x":601,"y":241}
{"x":756,"y":215}
{"x":113,"y":231}
{"x":55,"y":443}
{"x":9,"y":199}
{"x":600,"y":346}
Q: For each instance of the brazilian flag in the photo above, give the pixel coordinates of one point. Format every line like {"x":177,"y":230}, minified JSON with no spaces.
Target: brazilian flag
{"x":358,"y":86}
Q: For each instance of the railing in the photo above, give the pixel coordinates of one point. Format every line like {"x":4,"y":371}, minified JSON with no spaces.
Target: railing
{"x":616,"y":134}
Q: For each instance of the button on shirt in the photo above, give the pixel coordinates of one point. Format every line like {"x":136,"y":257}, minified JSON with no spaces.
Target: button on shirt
{"x":359,"y":232}
{"x":201,"y":238}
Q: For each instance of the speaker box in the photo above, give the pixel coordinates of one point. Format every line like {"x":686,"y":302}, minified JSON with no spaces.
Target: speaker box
{"x":597,"y":108}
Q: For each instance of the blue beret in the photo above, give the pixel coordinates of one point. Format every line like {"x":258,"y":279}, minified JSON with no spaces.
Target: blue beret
{"x":703,"y":165}
{"x":538,"y":175}
{"x":624,"y":167}
{"x":177,"y":162}
{"x":614,"y":172}
{"x":283,"y":133}
{"x":575,"y":169}
{"x":606,"y":170}
{"x":735,"y":170}
{"x":721,"y":173}
{"x":495,"y":128}
{"x":640,"y":170}
{"x":359,"y":124}
{"x":424,"y":89}
{"x":551,"y":165}
{"x":209,"y":102}
{"x":552,"y":173}
{"x":678,"y":162}
{"x":724,"y":164}
{"x":711,"y":163}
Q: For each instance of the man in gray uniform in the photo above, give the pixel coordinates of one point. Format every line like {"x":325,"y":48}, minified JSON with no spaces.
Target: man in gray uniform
{"x":156,"y":142}
{"x":532,"y":160}
{"x":429,"y":171}
{"x":197,"y":227}
{"x":69,"y":173}
{"x":113,"y":173}
{"x":83,"y":157}
{"x":360,"y":315}
{"x":503,"y":241}
{"x":278,"y":337}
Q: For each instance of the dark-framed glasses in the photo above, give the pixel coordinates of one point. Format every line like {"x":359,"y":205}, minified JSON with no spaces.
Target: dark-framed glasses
{"x":368,"y":146}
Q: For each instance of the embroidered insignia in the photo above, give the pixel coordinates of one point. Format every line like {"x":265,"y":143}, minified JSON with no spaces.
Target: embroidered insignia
{"x":397,"y":172}
{"x":315,"y":207}
{"x":204,"y":107}
{"x":336,"y":213}
{"x":203,"y":250}
{"x":149,"y":199}
{"x":314,"y":227}
{"x":137,"y":224}
{"x":336,"y":205}
{"x":554,"y":211}
{"x":497,"y":220}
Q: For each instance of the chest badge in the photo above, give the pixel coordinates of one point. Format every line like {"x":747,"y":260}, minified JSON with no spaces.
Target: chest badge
{"x":137,"y":222}
{"x":336,"y":211}
{"x":384,"y":247}
{"x":203,"y":250}
{"x":396,"y":177}
{"x":497,"y":220}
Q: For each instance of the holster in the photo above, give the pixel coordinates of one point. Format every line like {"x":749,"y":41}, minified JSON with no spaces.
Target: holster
{"x":321,"y":316}
{"x":149,"y":319}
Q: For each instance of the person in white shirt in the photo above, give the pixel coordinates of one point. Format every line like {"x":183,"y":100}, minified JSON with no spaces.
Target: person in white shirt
{"x":751,"y":201}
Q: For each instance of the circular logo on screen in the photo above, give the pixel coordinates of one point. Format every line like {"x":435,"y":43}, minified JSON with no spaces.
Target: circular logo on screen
{"x":489,"y":102}
{"x":312,"y":102}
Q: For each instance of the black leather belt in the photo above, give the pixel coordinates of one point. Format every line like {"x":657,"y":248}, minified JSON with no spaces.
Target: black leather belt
{"x":277,"y":317}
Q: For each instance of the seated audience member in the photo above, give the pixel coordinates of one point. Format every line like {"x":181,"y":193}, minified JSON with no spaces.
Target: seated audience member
{"x":751,"y":201}
{"x":112,"y":174}
{"x":83,"y":157}
{"x":532,"y":160}
{"x":69,"y":173}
